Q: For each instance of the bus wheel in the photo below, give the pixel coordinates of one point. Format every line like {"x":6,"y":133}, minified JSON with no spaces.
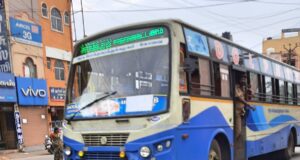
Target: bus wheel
{"x":215,"y":151}
{"x":290,"y":150}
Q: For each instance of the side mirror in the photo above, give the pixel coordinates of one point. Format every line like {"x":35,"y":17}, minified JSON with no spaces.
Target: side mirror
{"x":189,"y":65}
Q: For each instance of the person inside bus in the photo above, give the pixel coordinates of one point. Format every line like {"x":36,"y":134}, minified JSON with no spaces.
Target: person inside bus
{"x":241,"y":104}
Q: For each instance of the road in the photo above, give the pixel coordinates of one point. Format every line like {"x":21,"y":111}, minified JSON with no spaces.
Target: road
{"x":50,"y":157}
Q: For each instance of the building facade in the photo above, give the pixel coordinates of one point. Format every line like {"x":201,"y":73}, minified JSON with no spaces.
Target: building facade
{"x":285,"y":48}
{"x":57,"y":47}
{"x":36,"y":44}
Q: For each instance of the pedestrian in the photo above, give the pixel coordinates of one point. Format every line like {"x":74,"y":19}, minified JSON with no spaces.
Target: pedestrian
{"x":240,"y":104}
{"x":57,"y":144}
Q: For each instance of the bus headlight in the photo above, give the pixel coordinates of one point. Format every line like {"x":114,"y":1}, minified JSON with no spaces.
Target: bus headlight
{"x":145,"y":152}
{"x":67,"y":151}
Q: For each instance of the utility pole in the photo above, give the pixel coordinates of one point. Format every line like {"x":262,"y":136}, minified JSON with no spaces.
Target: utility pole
{"x":83,"y":25}
{"x":290,"y":53}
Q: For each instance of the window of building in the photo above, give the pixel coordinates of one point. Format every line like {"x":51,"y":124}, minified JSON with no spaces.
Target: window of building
{"x":59,"y":70}
{"x":268,"y":89}
{"x":67,"y":18}
{"x":48,"y":63}
{"x":221,"y":79}
{"x":44,"y":10}
{"x":29,"y":68}
{"x":56,"y":21}
{"x":255,"y":85}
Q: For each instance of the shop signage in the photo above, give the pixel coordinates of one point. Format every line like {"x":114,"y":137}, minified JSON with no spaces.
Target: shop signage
{"x":7,"y":88}
{"x":25,"y":32}
{"x":32,"y":91}
{"x":57,"y":94}
{"x":18,"y":128}
{"x":5,"y":65}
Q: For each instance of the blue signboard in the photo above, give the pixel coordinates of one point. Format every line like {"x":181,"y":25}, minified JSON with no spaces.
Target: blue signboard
{"x":25,"y":32}
{"x":32,"y":91}
{"x":57,"y":94}
{"x":7,"y":88}
{"x":5,"y":65}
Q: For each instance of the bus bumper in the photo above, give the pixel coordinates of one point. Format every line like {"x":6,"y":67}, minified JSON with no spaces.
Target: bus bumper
{"x":159,"y":151}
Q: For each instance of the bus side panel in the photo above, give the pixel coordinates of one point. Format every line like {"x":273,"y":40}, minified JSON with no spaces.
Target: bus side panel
{"x":209,"y":118}
{"x":269,"y":126}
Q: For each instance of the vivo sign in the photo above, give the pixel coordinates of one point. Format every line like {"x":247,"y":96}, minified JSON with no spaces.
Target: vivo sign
{"x":32,"y":92}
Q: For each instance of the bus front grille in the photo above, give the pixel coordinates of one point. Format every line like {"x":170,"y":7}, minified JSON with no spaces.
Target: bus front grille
{"x":116,"y":139}
{"x":102,"y":156}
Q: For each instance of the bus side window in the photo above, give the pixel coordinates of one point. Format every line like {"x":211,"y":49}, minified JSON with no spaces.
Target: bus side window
{"x":281,"y":92}
{"x":298,"y":94}
{"x":289,"y":93}
{"x":206,"y":88}
{"x":254,"y":82}
{"x":268,"y":89}
{"x":221,"y":78}
{"x":182,"y":73}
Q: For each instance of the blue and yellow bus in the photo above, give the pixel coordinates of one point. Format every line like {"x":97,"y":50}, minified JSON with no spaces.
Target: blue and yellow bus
{"x":164,"y":90}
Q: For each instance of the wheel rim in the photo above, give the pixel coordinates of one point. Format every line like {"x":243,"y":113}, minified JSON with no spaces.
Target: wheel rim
{"x":213,"y":155}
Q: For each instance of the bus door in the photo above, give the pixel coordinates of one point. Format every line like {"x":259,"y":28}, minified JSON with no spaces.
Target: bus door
{"x":239,"y":124}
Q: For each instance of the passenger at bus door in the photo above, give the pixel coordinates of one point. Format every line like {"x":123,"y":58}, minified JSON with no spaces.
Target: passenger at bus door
{"x":240,"y":104}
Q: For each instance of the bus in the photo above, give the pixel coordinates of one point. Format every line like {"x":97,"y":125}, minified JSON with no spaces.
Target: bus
{"x":164,"y":90}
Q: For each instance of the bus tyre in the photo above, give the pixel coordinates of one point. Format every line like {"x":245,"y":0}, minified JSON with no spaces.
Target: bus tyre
{"x":215,"y":151}
{"x":290,"y":150}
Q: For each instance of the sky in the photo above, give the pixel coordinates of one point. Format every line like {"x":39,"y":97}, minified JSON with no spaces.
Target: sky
{"x":249,"y":21}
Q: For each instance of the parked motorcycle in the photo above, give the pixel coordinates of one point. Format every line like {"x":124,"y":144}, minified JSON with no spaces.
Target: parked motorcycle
{"x":48,"y":145}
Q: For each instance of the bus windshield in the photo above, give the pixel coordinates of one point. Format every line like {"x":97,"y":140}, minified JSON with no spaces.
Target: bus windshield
{"x":134,"y":66}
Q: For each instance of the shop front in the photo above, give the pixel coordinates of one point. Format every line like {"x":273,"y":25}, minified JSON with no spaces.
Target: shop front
{"x":8,"y":99}
{"x":33,"y":101}
{"x":57,"y":101}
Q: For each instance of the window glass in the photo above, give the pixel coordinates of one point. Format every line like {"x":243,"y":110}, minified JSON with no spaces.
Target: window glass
{"x":67,"y":18}
{"x":281,"y":91}
{"x":251,"y":61}
{"x":29,"y":68}
{"x":44,"y":10}
{"x":254,"y":82}
{"x":59,"y":70}
{"x":56,"y":21}
{"x":221,"y":79}
{"x":218,"y":50}
{"x":298,"y":94}
{"x":296,"y":76}
{"x":266,"y":66}
{"x":195,"y":82}
{"x":290,"y":93}
{"x":205,"y":77}
{"x":278,"y":70}
{"x":268,"y":89}
{"x":235,"y":56}
{"x":288,"y":74}
{"x":182,"y":73}
{"x":196,"y":42}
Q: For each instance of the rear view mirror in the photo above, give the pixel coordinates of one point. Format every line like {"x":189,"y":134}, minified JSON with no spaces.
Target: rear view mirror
{"x":189,"y":65}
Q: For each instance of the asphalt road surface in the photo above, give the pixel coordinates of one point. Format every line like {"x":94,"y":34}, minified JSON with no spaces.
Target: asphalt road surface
{"x":50,"y":157}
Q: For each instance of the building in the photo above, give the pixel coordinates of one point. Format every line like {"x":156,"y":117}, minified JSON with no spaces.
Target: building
{"x":278,"y":48}
{"x":36,"y":44}
{"x":57,"y":47}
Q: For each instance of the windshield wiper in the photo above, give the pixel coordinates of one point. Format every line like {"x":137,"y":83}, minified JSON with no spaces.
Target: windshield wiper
{"x":107,"y":94}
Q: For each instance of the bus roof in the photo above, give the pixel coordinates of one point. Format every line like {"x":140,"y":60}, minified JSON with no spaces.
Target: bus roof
{"x":119,"y":28}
